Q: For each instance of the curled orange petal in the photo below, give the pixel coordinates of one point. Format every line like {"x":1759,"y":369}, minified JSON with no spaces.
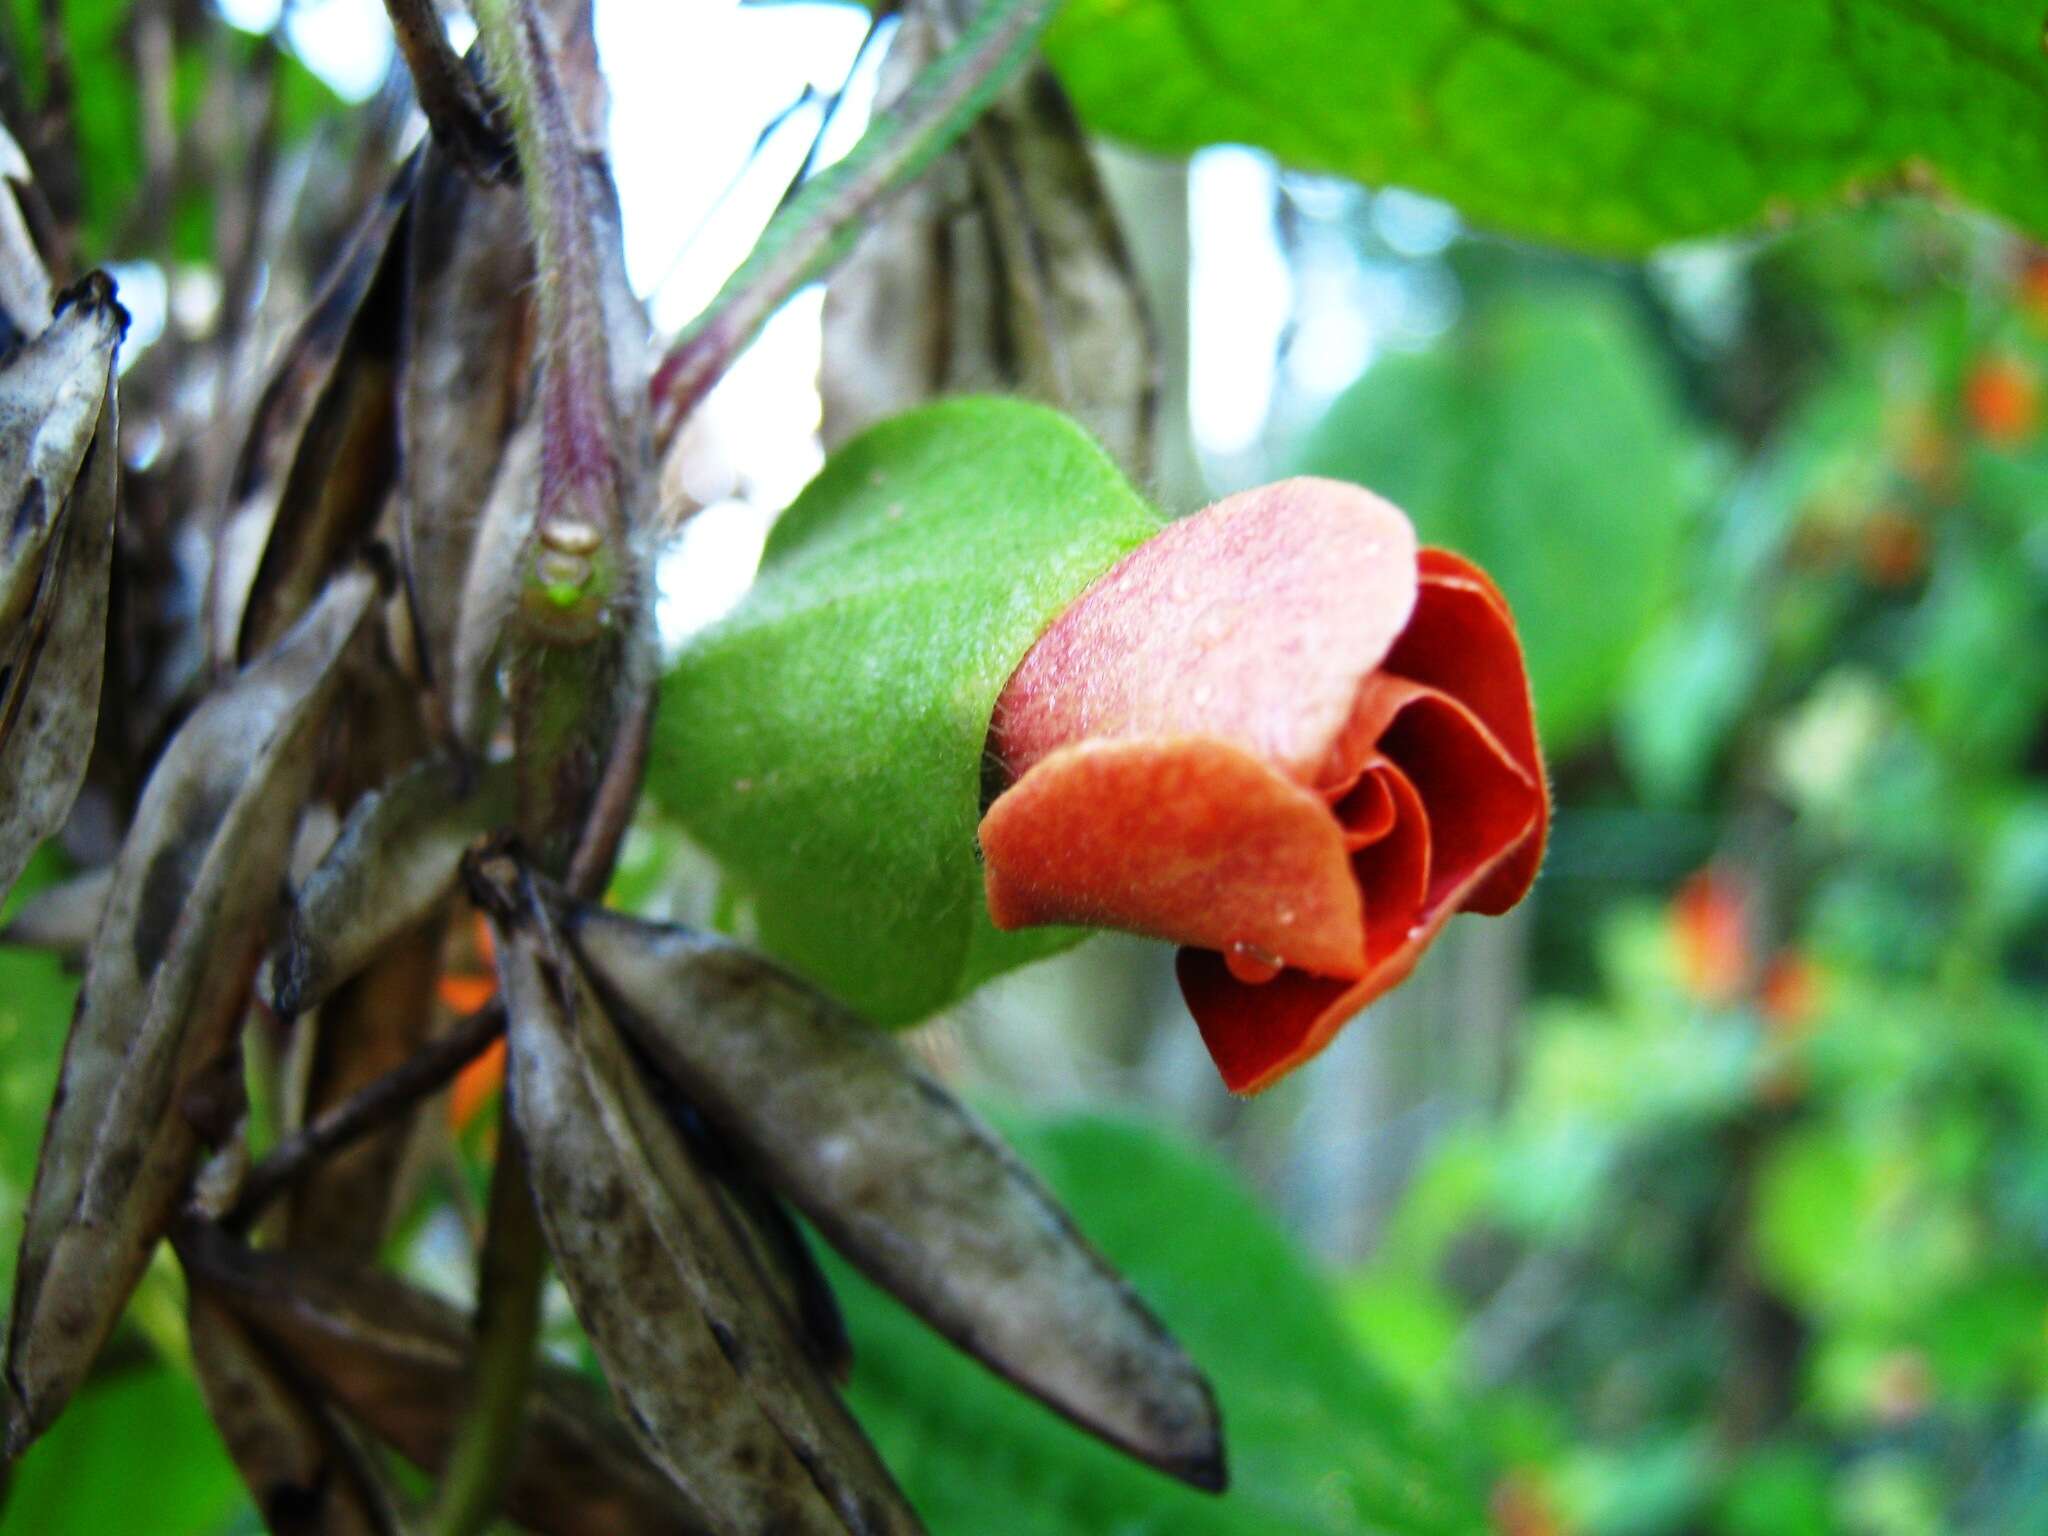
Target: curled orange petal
{"x":1207,"y":845}
{"x":1282,"y":736}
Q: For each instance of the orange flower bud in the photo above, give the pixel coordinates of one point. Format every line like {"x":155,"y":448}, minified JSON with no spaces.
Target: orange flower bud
{"x":1281,"y":736}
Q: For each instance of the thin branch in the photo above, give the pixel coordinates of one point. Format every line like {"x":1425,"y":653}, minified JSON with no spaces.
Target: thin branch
{"x":611,"y":809}
{"x":377,"y":1102}
{"x":466,"y":122}
{"x":509,"y":1278}
{"x":815,"y":227}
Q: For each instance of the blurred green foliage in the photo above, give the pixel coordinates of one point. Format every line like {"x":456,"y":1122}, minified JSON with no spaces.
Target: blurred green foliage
{"x":35,"y":1007}
{"x":1759,"y":1240}
{"x":1543,"y":440}
{"x":100,"y":54}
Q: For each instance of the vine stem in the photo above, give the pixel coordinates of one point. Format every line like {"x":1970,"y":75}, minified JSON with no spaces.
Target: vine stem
{"x":815,"y":228}
{"x":564,"y":668}
{"x":464,"y":120}
{"x":509,"y":1279}
{"x":426,"y":1070}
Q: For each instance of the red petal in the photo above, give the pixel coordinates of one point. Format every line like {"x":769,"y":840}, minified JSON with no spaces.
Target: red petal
{"x":1393,"y":871}
{"x":1479,"y":803}
{"x":1462,"y":640}
{"x":1189,"y":840}
{"x":1253,"y":622}
{"x":1257,"y":1034}
{"x":1367,"y":811}
{"x":1463,"y":810}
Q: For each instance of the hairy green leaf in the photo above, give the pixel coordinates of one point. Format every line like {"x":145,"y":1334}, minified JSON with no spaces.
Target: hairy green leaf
{"x":825,"y":741}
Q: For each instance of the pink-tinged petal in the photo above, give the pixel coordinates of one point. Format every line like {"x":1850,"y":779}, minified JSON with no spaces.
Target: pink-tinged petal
{"x":1186,"y":839}
{"x":1253,"y":622}
{"x":1462,"y":640}
{"x":1279,"y":735}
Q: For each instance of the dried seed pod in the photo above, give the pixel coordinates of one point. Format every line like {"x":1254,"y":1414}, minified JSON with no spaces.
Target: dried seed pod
{"x":702,"y":1359}
{"x":51,"y":392}
{"x":395,"y":1360}
{"x":304,"y":1470}
{"x":490,"y":588}
{"x":328,"y":396}
{"x":393,"y":863}
{"x":24,"y":281}
{"x":905,"y":1182}
{"x":1004,"y":270}
{"x":345,"y":461}
{"x":149,"y":1065}
{"x":374,"y":1021}
{"x":463,"y":361}
{"x":773,"y":1241}
{"x":64,"y":494}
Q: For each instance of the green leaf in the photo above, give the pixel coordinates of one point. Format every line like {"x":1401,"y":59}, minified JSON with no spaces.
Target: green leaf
{"x":825,"y":742}
{"x":1606,"y":124}
{"x":136,"y":1451}
{"x":1317,"y":1442}
{"x":35,"y":1007}
{"x":1543,"y":441}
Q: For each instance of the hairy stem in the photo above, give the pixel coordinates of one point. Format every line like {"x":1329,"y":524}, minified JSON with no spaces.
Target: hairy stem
{"x":568,"y":665}
{"x":509,"y":1279}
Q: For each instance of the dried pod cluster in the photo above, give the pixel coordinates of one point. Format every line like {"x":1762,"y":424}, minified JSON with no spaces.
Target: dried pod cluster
{"x":410,"y":677}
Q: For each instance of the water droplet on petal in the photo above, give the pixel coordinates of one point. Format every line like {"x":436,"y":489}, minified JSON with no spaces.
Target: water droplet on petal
{"x":1252,"y":964}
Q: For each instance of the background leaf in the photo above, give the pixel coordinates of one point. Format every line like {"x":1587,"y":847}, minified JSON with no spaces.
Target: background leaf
{"x":1547,"y":447}
{"x":108,"y":105}
{"x":35,"y":1006}
{"x":1609,"y":124}
{"x":1318,"y":1442}
{"x":135,"y":1447}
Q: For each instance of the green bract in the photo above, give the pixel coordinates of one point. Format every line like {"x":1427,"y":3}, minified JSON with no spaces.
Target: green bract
{"x":825,"y":741}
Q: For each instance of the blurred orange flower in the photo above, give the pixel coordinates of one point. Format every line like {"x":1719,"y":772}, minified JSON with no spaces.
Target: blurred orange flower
{"x":2003,"y":400}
